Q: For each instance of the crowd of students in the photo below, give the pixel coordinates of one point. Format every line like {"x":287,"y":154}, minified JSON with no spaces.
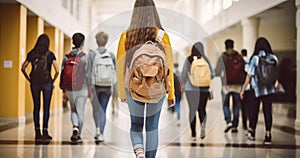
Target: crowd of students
{"x":93,"y":76}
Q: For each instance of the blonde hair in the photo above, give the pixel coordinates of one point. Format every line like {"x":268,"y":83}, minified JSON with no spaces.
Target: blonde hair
{"x":101,"y":38}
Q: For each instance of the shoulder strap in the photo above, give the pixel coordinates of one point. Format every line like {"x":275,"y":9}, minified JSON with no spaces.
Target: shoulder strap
{"x":160,"y":35}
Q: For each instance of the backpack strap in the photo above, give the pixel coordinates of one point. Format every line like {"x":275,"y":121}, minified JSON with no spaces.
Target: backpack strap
{"x":160,"y":35}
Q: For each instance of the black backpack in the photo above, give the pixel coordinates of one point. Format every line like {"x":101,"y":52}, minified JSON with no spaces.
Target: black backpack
{"x":267,"y":71}
{"x":40,"y":72}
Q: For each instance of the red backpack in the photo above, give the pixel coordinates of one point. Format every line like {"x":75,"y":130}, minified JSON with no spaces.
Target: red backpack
{"x":72,"y":75}
{"x":234,"y":67}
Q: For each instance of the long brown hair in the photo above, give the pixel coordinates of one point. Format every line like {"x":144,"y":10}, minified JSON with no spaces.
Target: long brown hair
{"x":144,"y":22}
{"x":42,"y":45}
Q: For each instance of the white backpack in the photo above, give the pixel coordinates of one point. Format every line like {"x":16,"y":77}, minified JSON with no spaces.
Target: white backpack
{"x":103,"y":70}
{"x":200,"y":75}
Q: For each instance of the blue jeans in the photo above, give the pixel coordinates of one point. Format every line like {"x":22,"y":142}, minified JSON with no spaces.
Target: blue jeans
{"x":177,"y":107}
{"x":136,"y":110}
{"x":100,"y":102}
{"x":36,"y":90}
{"x":236,"y":108}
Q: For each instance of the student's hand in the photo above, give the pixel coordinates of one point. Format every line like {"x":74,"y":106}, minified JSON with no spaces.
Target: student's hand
{"x":65,"y":97}
{"x":90,"y":95}
{"x":242,"y":94}
{"x":124,"y":100}
{"x":171,"y":102}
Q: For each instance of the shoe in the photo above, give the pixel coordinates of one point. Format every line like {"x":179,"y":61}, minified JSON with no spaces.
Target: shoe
{"x":251,"y":135}
{"x":234,"y":130}
{"x":99,"y":138}
{"x":193,"y":139}
{"x":228,"y":127}
{"x":75,"y":138}
{"x":268,"y":140}
{"x":140,"y":154}
{"x":46,"y":136}
{"x":202,"y":132}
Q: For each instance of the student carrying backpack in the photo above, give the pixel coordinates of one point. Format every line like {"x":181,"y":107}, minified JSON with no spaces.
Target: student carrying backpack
{"x":197,"y":90}
{"x":103,"y":79}
{"x":75,"y":82}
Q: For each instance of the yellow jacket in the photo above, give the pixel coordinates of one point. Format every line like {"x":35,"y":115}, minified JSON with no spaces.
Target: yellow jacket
{"x":121,"y":56}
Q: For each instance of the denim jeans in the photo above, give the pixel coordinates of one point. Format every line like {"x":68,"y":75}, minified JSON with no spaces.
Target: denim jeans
{"x":100,"y":102}
{"x":137,"y":116}
{"x":236,"y":108}
{"x":77,"y":103}
{"x":177,"y":107}
{"x":36,"y":90}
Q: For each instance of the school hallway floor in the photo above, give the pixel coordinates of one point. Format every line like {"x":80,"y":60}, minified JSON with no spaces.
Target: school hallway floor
{"x":175,"y":141}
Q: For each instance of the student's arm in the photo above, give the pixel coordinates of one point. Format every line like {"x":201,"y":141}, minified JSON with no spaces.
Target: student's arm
{"x":120,"y":66}
{"x":169,"y":56}
{"x":23,"y":69}
{"x":55,"y":65}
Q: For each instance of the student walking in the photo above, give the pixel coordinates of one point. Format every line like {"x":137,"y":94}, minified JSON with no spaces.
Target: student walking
{"x":232,"y":78}
{"x":145,"y":27}
{"x":76,"y":83}
{"x":246,"y":102}
{"x":41,"y":59}
{"x":103,"y":77}
{"x":197,"y":74}
{"x":178,"y":92}
{"x":262,"y":84}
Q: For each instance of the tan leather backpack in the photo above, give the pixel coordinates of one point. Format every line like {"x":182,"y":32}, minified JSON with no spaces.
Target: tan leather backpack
{"x":147,"y":77}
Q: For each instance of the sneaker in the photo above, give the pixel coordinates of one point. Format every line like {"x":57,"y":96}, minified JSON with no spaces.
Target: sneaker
{"x":202,"y":132}
{"x":99,"y":138}
{"x":228,"y":127}
{"x":140,"y":154}
{"x":268,"y":140}
{"x":193,"y":139}
{"x":75,"y":138}
{"x":234,"y":130}
{"x":251,"y":135}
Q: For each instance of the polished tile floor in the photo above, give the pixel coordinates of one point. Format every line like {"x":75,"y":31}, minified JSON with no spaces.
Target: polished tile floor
{"x":175,"y":141}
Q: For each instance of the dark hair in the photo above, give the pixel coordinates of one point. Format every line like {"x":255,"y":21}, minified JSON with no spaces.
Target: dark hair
{"x":244,"y":52}
{"x":41,"y":46}
{"x":78,"y":39}
{"x":262,"y":44}
{"x":197,"y":50}
{"x":176,"y":65}
{"x":229,"y":43}
{"x":143,"y":25}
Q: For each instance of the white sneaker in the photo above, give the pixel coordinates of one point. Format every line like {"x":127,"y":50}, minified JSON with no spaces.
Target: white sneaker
{"x":193,"y":138}
{"x":99,"y":138}
{"x":202,"y":133}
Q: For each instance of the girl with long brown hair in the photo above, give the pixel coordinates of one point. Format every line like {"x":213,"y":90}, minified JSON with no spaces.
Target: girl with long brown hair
{"x":145,"y":25}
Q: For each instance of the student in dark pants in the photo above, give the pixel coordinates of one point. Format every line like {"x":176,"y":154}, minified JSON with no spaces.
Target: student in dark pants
{"x":263,"y":93}
{"x":40,"y":79}
{"x":246,"y":102}
{"x":196,"y":96}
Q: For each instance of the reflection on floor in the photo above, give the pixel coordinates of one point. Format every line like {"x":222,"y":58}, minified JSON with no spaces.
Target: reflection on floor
{"x":175,"y":140}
